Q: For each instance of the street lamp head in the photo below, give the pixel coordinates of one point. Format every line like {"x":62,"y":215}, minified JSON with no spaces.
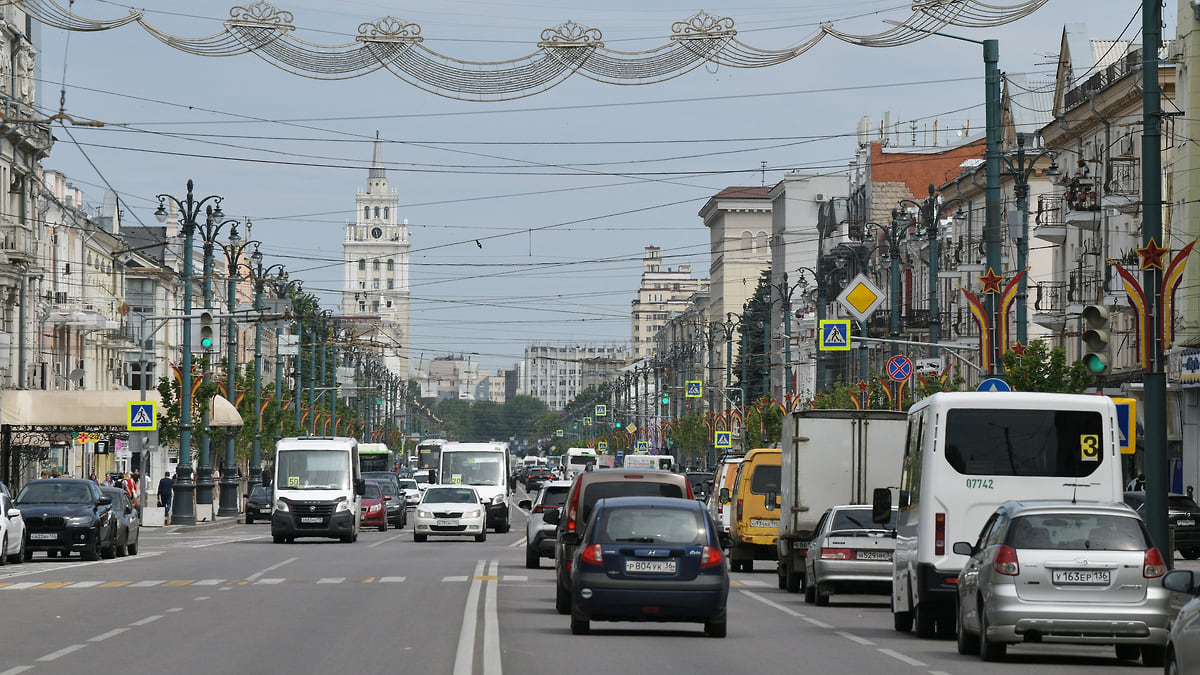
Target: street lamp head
{"x":1053,"y":171}
{"x":257,"y":257}
{"x":234,"y":239}
{"x":160,"y":214}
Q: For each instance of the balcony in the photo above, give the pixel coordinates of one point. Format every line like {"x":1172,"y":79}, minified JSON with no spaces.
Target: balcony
{"x":1123,"y":182}
{"x":1102,"y":79}
{"x":1048,"y":222}
{"x":880,"y":323}
{"x":916,"y":319}
{"x":1049,"y":304}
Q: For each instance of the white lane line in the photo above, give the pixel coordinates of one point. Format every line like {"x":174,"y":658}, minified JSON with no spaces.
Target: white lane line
{"x":772,"y":603}
{"x":22,"y":585}
{"x":209,"y":582}
{"x":458,"y":578}
{"x":147,"y":583}
{"x":464,"y":655}
{"x":491,"y":624}
{"x":18,"y":669}
{"x":818,"y":624}
{"x":753,"y":583}
{"x":331,"y":580}
{"x":391,"y":580}
{"x":271,"y":581}
{"x":515,"y":578}
{"x":174,"y":609}
{"x":854,"y":638}
{"x":85,"y":584}
{"x":276,"y":566}
{"x":104,"y":636}
{"x":201,"y":597}
{"x":383,"y":541}
{"x":901,"y":657}
{"x":517,"y":543}
{"x":150,"y":619}
{"x":62,"y":652}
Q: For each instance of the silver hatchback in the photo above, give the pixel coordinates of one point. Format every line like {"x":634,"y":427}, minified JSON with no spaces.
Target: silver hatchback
{"x":849,"y":553}
{"x":1067,"y":572}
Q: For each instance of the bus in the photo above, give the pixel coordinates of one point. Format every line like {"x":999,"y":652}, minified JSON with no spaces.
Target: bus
{"x":376,"y":457}
{"x":966,"y":453}
{"x":579,"y":458}
{"x":429,"y":454}
{"x":317,"y":487}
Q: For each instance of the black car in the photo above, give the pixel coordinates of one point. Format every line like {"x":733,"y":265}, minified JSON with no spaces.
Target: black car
{"x":537,"y":475}
{"x":129,"y":524}
{"x":389,"y":483}
{"x":258,"y":504}
{"x":1183,"y":518}
{"x":65,"y":515}
{"x":702,"y":483}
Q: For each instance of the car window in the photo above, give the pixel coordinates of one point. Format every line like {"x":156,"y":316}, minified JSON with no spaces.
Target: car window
{"x":39,"y":492}
{"x":554,"y":496}
{"x":821,"y":523}
{"x":258,"y":492}
{"x":646,"y":525}
{"x":860,"y":519}
{"x":1077,"y":532}
{"x":765,"y":480}
{"x":449,"y":496}
{"x":387,"y":489}
{"x":1182,"y":503}
{"x":626,"y":488}
{"x":988,"y":532}
{"x":372,"y":491}
{"x":408,"y":484}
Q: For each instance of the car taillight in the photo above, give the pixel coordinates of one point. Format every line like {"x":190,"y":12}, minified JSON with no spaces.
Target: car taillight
{"x":1005,"y":561}
{"x":542,"y":508}
{"x":739,"y":509}
{"x":939,"y":534}
{"x":572,"y":512}
{"x":711,"y":557}
{"x":592,"y":555}
{"x":837,"y":554}
{"x":1153,"y":565}
{"x":720,"y":509}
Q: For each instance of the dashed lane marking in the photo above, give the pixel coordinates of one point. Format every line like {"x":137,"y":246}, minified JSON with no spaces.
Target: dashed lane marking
{"x":53,"y":584}
{"x":854,"y":638}
{"x":115,"y":584}
{"x":331,"y":580}
{"x":85,"y":584}
{"x":455,"y":578}
{"x":104,"y":636}
{"x":22,"y":585}
{"x":180,"y":582}
{"x":901,"y":657}
{"x":269,"y":581}
{"x":147,"y":583}
{"x":391,"y":580}
{"x":148,"y":620}
{"x":62,"y":652}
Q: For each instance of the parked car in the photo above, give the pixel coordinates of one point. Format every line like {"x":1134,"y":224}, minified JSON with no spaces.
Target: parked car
{"x":1065,"y":572}
{"x":1183,"y":643}
{"x":536,"y":475}
{"x":65,"y":515}
{"x":702,"y":483}
{"x":450,"y":511}
{"x":648,"y":559}
{"x":258,"y":504}
{"x":849,"y":553}
{"x":397,"y":512}
{"x":12,"y":531}
{"x":129,"y":523}
{"x":374,"y":507}
{"x":1183,"y":518}
{"x":412,"y":493}
{"x":590,"y":487}
{"x":540,"y":535}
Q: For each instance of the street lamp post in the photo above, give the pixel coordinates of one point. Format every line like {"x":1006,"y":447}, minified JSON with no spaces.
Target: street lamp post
{"x":1020,"y":171}
{"x":930,"y":210}
{"x":260,"y":275}
{"x":785,"y":292}
{"x":234,"y":251}
{"x":183,"y":508}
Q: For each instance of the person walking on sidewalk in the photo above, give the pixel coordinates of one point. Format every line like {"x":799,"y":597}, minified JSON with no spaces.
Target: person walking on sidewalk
{"x":166,"y":488}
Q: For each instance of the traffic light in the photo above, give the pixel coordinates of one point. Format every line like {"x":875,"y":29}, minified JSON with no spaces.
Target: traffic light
{"x":666,"y":398}
{"x":204,"y":331}
{"x":379,"y":394}
{"x":1097,"y":349}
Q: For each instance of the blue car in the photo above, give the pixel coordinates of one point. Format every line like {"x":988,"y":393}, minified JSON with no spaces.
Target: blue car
{"x":649,"y":559}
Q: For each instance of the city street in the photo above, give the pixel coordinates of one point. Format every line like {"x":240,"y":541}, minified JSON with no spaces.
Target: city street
{"x":228,"y":600}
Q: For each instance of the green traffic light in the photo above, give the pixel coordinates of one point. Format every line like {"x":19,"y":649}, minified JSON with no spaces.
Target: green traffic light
{"x":1094,"y":364}
{"x":206,"y":343}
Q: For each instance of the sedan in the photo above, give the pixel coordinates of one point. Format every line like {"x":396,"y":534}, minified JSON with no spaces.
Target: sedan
{"x":129,"y":524}
{"x":648,"y":559}
{"x":374,"y":507}
{"x":12,"y":531}
{"x":849,"y":553}
{"x":65,"y":515}
{"x":539,"y":535}
{"x":258,"y":504}
{"x":1183,"y":518}
{"x":449,"y":511}
{"x":1067,"y":572}
{"x":412,"y":493}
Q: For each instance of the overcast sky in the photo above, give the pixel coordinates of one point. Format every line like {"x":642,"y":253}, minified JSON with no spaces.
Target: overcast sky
{"x":563,"y":189}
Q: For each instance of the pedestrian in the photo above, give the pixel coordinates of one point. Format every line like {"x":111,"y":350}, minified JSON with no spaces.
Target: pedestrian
{"x":92,"y":477}
{"x":1189,"y":492}
{"x":1137,"y":484}
{"x":44,"y":474}
{"x":166,"y":488}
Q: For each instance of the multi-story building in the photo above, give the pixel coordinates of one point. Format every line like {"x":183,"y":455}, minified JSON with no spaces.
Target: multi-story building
{"x":556,"y":374}
{"x":450,"y":376}
{"x":663,"y":291}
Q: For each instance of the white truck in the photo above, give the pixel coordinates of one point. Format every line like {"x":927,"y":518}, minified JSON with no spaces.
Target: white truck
{"x":831,"y":458}
{"x":483,"y":466}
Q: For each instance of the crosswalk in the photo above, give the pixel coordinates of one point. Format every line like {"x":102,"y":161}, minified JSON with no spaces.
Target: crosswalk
{"x":271,"y":581}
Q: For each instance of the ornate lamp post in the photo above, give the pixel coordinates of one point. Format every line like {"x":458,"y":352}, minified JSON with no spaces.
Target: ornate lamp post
{"x":283,"y":287}
{"x":930,"y":210}
{"x":784,"y":291}
{"x":1020,"y":166}
{"x":260,"y":275}
{"x":183,"y":510}
{"x":234,"y":251}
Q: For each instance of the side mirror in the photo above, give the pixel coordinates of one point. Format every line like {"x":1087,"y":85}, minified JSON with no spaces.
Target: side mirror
{"x":963,"y":548}
{"x":570,"y":538}
{"x":1180,"y":581}
{"x":104,"y":501}
{"x":881,"y":505}
{"x":525,"y":504}
{"x":724,"y":495}
{"x":14,"y":513}
{"x":245,"y":495}
{"x":552,"y":517}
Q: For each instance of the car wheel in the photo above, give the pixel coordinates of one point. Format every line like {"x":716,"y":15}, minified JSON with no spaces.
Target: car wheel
{"x":810,"y":594}
{"x":562,"y":599}
{"x":345,"y":539}
{"x":579,"y":626}
{"x":748,"y":565}
{"x":482,"y":536}
{"x":23,"y":554}
{"x":1153,"y":656}
{"x":420,"y":537}
{"x":533,"y":560}
{"x":781,"y":572}
{"x":1190,"y":553}
{"x":133,"y":545}
{"x":822,"y":595}
{"x":794,"y":580}
{"x":383,"y":525}
{"x":988,"y":650}
{"x":122,"y":549}
{"x":93,"y":552}
{"x":925,"y":620}
{"x":715,"y":627}
{"x":249,"y":519}
{"x":4,"y":550}
{"x":968,"y":644}
{"x":278,"y":539}
{"x":1172,"y":667}
{"x":27,"y":555}
{"x":946,"y":622}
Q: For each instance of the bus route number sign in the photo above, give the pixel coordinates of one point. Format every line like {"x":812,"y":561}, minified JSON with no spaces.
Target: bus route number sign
{"x":1089,"y":447}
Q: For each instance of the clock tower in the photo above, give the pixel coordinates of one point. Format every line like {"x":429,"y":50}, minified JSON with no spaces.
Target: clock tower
{"x":375,"y":261}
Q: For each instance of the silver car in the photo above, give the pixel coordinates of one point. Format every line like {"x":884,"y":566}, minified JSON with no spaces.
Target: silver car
{"x":540,"y":535}
{"x":849,"y":553}
{"x":1059,"y":571}
{"x":1183,"y":646}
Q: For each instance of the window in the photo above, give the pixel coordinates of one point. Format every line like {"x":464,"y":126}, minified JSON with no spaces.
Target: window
{"x":391,"y":283}
{"x":376,"y":211}
{"x":362,"y":263}
{"x":385,"y":213}
{"x":375,"y":284}
{"x":362,"y":307}
{"x":366,"y":212}
{"x":391,"y":265}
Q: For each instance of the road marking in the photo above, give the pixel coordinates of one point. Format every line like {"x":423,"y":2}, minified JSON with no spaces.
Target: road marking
{"x":53,"y":584}
{"x":455,"y":578}
{"x":383,"y":541}
{"x":331,"y":580}
{"x":150,"y":619}
{"x":754,"y":582}
{"x":368,"y":580}
{"x":175,"y":609}
{"x":488,"y":578}
{"x":180,"y":582}
{"x":62,"y":652}
{"x":85,"y":584}
{"x":854,"y":638}
{"x":491,"y":624}
{"x":772,"y":603}
{"x":18,"y":669}
{"x":276,"y":566}
{"x":391,"y":580}
{"x":22,"y":585}
{"x":818,"y":624}
{"x":269,"y":581}
{"x":464,"y":655}
{"x":208,"y":582}
{"x":104,"y":636}
{"x":147,"y":583}
{"x":517,"y":543}
{"x":901,"y":657}
{"x":515,"y":578}
{"x":115,"y":584}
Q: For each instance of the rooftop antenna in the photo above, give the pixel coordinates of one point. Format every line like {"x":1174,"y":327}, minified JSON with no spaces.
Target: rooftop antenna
{"x":764,"y":173}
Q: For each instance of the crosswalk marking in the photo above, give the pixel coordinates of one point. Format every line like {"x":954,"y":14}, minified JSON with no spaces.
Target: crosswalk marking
{"x":53,"y":584}
{"x":115,"y":584}
{"x":331,"y":580}
{"x":146,"y":583}
{"x":22,"y":585}
{"x":85,"y":584}
{"x":268,"y":581}
{"x":209,"y":582}
{"x":391,"y":580}
{"x":180,"y":582}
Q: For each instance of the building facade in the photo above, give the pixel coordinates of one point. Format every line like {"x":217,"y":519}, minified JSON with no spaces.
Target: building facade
{"x":556,"y":374}
{"x":663,"y":291}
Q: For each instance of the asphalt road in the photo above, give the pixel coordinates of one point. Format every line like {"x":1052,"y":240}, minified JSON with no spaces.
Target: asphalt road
{"x":230,"y":601}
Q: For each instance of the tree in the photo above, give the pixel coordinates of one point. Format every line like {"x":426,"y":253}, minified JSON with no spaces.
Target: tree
{"x":1044,"y":368}
{"x":756,"y":315}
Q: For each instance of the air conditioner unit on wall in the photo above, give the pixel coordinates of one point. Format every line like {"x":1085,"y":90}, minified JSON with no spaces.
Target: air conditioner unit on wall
{"x":819,"y":197}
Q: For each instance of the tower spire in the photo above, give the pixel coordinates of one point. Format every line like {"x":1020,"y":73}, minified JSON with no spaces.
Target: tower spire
{"x":377,"y":170}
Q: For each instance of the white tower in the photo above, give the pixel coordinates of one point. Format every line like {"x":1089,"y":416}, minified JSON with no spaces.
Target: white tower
{"x":375,"y":254}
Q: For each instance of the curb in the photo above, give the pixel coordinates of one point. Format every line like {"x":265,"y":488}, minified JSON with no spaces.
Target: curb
{"x":215,"y":524}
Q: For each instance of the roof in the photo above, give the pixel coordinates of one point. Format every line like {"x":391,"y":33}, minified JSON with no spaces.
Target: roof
{"x":744,"y":192}
{"x":90,"y":408}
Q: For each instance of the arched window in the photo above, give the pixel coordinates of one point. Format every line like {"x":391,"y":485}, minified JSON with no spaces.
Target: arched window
{"x":376,"y":211}
{"x":391,"y":265}
{"x":375,"y":265}
{"x":385,"y":213}
{"x":747,"y":243}
{"x":362,"y":263}
{"x":760,"y":243}
{"x":366,"y":212}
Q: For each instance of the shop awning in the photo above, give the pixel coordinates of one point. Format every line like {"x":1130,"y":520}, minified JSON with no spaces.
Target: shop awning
{"x":90,"y":408}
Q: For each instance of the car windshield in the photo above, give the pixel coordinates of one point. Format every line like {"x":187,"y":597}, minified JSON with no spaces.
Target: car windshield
{"x":39,"y":492}
{"x":554,"y":496}
{"x":651,"y":525}
{"x":473,"y":468}
{"x":408,"y":484}
{"x":860,"y":519}
{"x":449,"y":495}
{"x":372,"y":491}
{"x":387,"y":489}
{"x":313,"y":469}
{"x":258,"y":492}
{"x":421,"y":477}
{"x":1077,"y":532}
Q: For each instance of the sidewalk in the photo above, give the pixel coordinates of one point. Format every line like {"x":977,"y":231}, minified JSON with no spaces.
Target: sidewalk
{"x":217,"y":523}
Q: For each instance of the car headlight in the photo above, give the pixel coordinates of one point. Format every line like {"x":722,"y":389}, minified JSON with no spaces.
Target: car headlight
{"x":373,"y":509}
{"x":80,"y":521}
{"x":342,"y":505}
{"x":281,"y":505}
{"x":471,"y":514}
{"x":424,"y":514}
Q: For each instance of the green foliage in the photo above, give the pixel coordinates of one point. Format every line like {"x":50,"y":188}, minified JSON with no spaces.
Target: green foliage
{"x":689,"y":439}
{"x":1043,"y":368}
{"x":751,"y":351}
{"x":523,"y":418}
{"x":764,"y":424}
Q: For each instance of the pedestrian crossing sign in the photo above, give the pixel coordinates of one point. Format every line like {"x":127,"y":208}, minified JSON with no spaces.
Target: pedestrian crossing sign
{"x":602,"y":446}
{"x":601,"y":410}
{"x":641,"y":446}
{"x":723,"y":439}
{"x":695,"y":389}
{"x":835,"y":335}
{"x":141,"y":416}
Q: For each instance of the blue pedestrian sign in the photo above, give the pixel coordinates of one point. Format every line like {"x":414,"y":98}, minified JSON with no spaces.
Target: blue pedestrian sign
{"x":695,"y":389}
{"x":141,"y":416}
{"x":993,"y":384}
{"x":1127,"y":424}
{"x":601,"y":446}
{"x":722,"y":439}
{"x":601,"y":410}
{"x":641,"y":446}
{"x":835,"y":335}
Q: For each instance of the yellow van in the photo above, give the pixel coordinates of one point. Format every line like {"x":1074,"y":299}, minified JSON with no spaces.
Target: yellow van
{"x":756,"y":501}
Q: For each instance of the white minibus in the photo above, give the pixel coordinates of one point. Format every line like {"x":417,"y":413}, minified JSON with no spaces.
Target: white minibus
{"x":318,"y":489}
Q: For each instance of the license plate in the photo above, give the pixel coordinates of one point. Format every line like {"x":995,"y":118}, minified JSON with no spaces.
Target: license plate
{"x":1185,"y":523}
{"x":874,"y":555}
{"x":1083,"y":577}
{"x":310,"y":520}
{"x":758,"y":522}
{"x":43,"y":535}
{"x":442,"y":522}
{"x":650,"y":566}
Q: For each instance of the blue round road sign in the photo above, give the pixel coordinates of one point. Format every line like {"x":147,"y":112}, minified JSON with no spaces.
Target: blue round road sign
{"x":899,"y":368}
{"x":993,"y":384}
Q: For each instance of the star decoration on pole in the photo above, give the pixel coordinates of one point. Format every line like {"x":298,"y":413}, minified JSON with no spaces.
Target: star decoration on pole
{"x":991,"y":282}
{"x":1018,"y":348}
{"x":1152,"y":255}
{"x":863,"y":386}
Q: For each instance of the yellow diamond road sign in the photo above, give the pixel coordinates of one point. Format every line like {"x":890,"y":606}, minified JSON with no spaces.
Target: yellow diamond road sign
{"x":861,"y":297}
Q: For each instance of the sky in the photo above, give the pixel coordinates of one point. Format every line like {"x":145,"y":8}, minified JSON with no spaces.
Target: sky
{"x":562,"y":190}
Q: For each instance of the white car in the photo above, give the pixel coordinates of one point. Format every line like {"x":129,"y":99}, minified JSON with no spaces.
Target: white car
{"x":423,"y":478}
{"x":12,"y":531}
{"x":450,"y":511}
{"x":412,"y":491}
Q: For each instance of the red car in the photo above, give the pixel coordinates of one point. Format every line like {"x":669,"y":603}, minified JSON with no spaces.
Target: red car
{"x":374,"y":508}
